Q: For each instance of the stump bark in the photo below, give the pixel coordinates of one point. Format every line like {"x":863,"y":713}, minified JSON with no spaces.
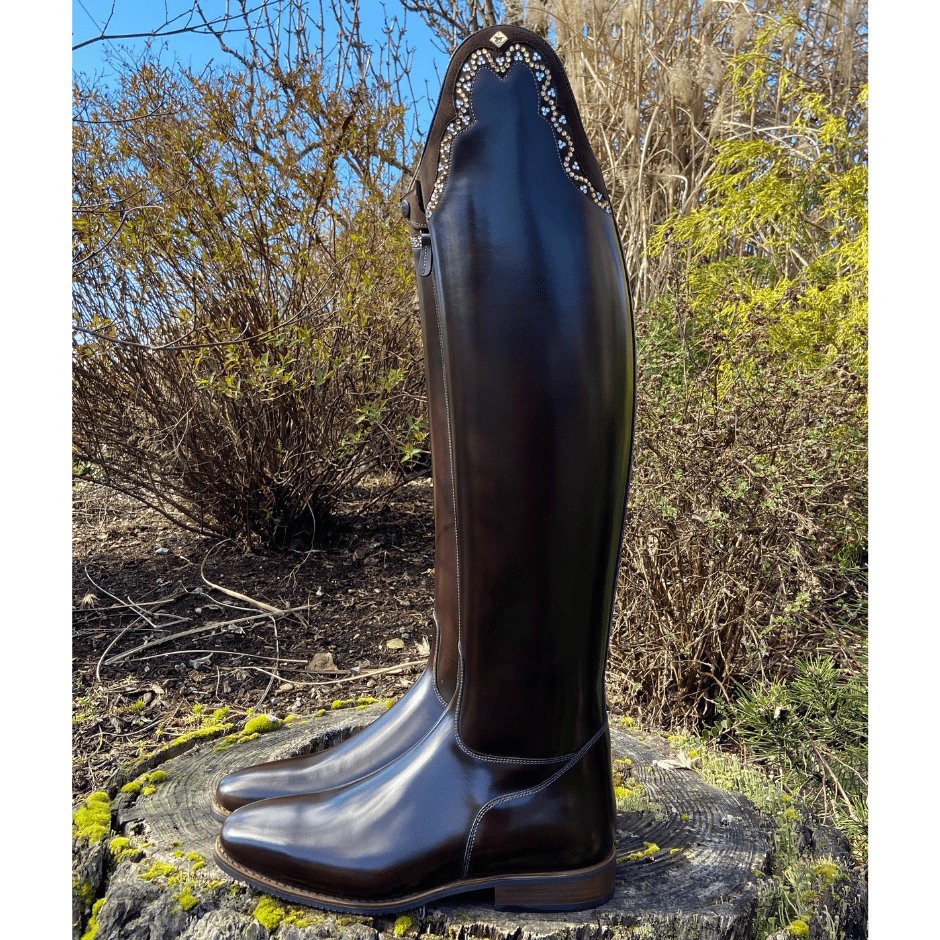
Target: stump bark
{"x":690,"y":865}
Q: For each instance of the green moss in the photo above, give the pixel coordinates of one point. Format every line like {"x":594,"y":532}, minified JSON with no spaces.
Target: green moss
{"x":121,"y":847}
{"x":626,"y":722}
{"x":133,"y":787}
{"x":651,"y":849}
{"x":92,"y":928}
{"x":301,"y":917}
{"x":365,"y":700}
{"x":178,"y":853}
{"x":340,"y":703}
{"x":158,"y":776}
{"x":92,"y":820}
{"x":187,"y":900}
{"x":798,"y":928}
{"x":147,"y":791}
{"x":402,"y":924}
{"x":319,"y":713}
{"x":84,"y":891}
{"x":158,"y":870}
{"x":269,"y":913}
{"x":199,"y":734}
{"x":389,"y":702}
{"x":259,"y":724}
{"x":262,"y":724}
{"x":828,"y":872}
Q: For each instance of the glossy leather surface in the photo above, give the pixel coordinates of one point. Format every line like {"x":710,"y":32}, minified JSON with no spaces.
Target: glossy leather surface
{"x":398,"y":730}
{"x":513,"y":784}
{"x":536,"y":323}
{"x":422,"y":822}
{"x":414,"y":715}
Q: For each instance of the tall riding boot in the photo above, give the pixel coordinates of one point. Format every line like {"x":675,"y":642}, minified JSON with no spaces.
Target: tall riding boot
{"x":512,"y":788}
{"x":410,"y":719}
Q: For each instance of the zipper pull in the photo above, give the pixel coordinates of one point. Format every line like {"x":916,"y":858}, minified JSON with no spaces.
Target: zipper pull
{"x":425,"y":259}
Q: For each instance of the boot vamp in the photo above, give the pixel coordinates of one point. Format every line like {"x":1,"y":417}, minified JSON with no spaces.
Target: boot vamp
{"x":404,"y":830}
{"x":393,"y":733}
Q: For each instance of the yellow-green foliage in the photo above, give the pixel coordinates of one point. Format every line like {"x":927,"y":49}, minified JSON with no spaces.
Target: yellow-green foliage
{"x":271,"y":913}
{"x":92,"y":928}
{"x":798,"y":928}
{"x":92,"y":820}
{"x":782,"y":225}
{"x":402,"y":924}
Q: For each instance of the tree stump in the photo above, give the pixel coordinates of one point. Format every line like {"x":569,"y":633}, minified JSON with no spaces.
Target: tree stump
{"x":690,"y":864}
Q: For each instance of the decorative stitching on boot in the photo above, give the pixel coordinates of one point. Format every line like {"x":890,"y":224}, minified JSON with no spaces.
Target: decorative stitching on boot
{"x":500,"y":63}
{"x":523,"y":793}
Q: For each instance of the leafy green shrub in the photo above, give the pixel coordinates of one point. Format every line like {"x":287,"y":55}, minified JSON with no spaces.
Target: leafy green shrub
{"x":748,"y":503}
{"x":814,"y":730}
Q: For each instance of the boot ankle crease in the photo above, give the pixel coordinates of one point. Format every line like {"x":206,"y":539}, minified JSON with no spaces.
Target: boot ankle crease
{"x":498,"y":801}
{"x":437,"y":653}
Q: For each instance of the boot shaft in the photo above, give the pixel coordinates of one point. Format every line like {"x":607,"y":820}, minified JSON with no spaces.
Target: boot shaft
{"x":521,"y":263}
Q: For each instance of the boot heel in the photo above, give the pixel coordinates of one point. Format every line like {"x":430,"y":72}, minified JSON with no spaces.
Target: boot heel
{"x":564,"y":891}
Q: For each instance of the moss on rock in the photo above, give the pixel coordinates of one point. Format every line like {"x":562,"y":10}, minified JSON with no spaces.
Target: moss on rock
{"x":92,"y":820}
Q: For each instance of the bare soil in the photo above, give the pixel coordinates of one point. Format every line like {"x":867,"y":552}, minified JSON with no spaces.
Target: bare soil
{"x":145,"y":652}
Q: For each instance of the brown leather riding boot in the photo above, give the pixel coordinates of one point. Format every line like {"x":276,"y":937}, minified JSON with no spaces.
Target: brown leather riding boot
{"x":511,"y":789}
{"x":410,"y":719}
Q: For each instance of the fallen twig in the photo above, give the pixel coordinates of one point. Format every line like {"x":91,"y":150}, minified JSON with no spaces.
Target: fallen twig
{"x":242,"y":597}
{"x":212,"y":625}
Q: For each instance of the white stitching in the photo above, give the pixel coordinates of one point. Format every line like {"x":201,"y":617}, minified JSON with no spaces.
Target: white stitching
{"x":497,"y":801}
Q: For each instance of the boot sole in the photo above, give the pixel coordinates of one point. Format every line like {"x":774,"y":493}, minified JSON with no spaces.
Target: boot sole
{"x":577,"y":890}
{"x":219,"y":811}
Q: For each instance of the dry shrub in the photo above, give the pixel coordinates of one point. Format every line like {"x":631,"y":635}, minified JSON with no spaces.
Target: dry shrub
{"x":246,"y":342}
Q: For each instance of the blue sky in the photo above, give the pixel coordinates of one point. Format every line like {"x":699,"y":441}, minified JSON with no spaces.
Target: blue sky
{"x":135,"y":16}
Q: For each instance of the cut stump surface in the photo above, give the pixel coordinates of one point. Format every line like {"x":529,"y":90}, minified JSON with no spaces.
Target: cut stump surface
{"x":689,"y":865}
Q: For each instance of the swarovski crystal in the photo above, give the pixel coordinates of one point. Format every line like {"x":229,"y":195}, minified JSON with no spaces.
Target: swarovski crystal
{"x":500,"y":65}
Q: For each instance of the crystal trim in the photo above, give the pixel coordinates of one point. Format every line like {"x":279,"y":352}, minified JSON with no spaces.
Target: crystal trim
{"x":516,"y":53}
{"x":415,"y":242}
